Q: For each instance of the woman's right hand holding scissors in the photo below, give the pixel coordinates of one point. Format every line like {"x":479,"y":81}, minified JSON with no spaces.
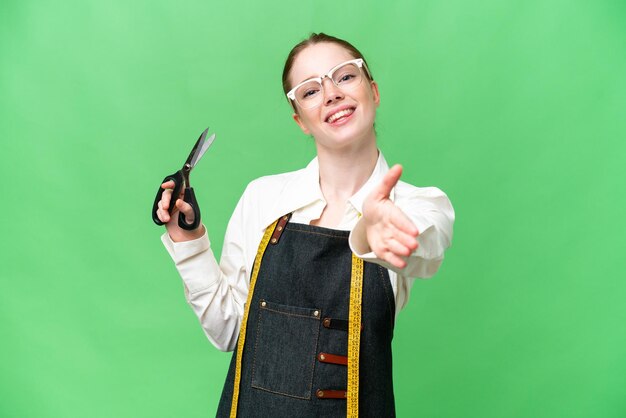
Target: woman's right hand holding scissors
{"x":176,"y":233}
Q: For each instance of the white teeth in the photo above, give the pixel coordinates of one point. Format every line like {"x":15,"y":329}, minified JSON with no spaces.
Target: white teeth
{"x":340,"y":114}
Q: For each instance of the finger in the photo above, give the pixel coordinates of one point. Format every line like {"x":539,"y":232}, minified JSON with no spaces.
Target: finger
{"x":166,"y":198}
{"x":168,"y":184}
{"x":186,"y":210}
{"x":163,"y":215}
{"x":394,"y":260}
{"x":395,"y":241}
{"x":402,"y":222}
{"x":389,"y":181}
{"x":405,"y":241}
{"x":398,"y":248}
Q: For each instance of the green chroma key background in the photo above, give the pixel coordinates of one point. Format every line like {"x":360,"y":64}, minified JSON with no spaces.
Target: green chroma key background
{"x":515,"y":109}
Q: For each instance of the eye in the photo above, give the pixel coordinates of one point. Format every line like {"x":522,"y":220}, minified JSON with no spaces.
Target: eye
{"x":345,"y":76}
{"x":308,"y":93}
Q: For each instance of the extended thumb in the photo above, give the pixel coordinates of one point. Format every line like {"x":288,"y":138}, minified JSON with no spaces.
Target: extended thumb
{"x":389,"y":182}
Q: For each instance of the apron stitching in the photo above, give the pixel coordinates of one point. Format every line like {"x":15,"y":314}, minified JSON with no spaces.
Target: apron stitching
{"x":319,"y":233}
{"x":256,"y":342}
{"x":291,"y":314}
{"x":284,"y":394}
{"x":384,"y":283}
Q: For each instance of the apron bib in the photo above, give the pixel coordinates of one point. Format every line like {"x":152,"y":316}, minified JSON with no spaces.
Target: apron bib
{"x":294,"y":360}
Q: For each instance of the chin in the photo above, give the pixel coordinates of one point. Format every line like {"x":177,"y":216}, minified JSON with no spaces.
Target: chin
{"x":345,"y":139}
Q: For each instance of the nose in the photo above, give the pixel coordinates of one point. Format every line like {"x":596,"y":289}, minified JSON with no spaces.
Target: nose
{"x":331,"y":91}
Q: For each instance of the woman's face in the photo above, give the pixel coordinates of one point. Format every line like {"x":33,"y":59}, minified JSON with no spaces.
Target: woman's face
{"x":345,"y":117}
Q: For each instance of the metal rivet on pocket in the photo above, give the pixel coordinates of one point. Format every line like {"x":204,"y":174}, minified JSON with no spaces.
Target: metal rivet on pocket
{"x":263,"y":303}
{"x":316,"y":313}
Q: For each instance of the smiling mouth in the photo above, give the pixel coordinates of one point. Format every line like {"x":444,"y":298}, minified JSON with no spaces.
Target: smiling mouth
{"x":340,"y":115}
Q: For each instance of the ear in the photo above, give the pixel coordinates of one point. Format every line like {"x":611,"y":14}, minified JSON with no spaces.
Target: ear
{"x":375,"y":93}
{"x":301,"y":124}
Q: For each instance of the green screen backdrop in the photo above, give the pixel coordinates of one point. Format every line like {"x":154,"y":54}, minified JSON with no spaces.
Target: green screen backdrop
{"x":516,"y":109}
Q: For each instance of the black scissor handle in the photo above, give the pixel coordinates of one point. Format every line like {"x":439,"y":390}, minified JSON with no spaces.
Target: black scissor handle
{"x":190,"y":197}
{"x":178,"y":180}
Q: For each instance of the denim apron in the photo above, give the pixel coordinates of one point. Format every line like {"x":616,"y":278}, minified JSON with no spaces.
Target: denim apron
{"x":293,"y":362}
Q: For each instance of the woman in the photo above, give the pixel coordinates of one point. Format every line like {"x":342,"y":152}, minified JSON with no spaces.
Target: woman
{"x":293,"y":347}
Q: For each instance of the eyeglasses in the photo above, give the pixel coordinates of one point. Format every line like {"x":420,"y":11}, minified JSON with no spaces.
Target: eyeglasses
{"x":346,"y":76}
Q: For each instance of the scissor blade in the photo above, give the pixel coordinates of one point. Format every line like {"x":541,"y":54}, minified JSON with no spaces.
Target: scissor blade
{"x":205,"y":146}
{"x":196,"y":147}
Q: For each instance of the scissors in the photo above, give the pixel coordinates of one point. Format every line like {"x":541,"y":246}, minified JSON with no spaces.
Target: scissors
{"x":181,"y":179}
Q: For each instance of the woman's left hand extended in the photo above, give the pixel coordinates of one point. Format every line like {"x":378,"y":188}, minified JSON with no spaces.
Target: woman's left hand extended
{"x":390,"y":233}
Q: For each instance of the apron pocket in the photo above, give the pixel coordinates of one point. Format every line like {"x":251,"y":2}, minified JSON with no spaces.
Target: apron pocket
{"x":284,"y":352}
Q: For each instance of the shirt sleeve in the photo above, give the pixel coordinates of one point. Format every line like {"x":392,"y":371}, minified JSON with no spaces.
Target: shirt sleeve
{"x":432,"y":213}
{"x":215,"y":292}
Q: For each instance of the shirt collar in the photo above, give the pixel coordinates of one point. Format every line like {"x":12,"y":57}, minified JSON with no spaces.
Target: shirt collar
{"x":375,"y":178}
{"x":303,"y":188}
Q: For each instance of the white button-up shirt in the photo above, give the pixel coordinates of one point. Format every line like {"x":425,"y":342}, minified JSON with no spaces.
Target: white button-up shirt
{"x":217,"y":291}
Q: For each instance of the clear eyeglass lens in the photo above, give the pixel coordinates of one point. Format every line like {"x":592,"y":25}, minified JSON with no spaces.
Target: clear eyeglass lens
{"x":310,"y":94}
{"x":347,"y":75}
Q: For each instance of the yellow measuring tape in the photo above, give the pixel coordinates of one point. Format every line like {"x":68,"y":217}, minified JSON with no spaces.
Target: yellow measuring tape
{"x":354,"y":336}
{"x":354,"y":328}
{"x":244,"y":322}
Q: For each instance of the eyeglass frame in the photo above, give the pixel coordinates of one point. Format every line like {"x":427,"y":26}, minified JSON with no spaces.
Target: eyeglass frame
{"x":359,"y":62}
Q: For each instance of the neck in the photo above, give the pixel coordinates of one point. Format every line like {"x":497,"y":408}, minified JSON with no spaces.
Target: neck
{"x":344,"y":171}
